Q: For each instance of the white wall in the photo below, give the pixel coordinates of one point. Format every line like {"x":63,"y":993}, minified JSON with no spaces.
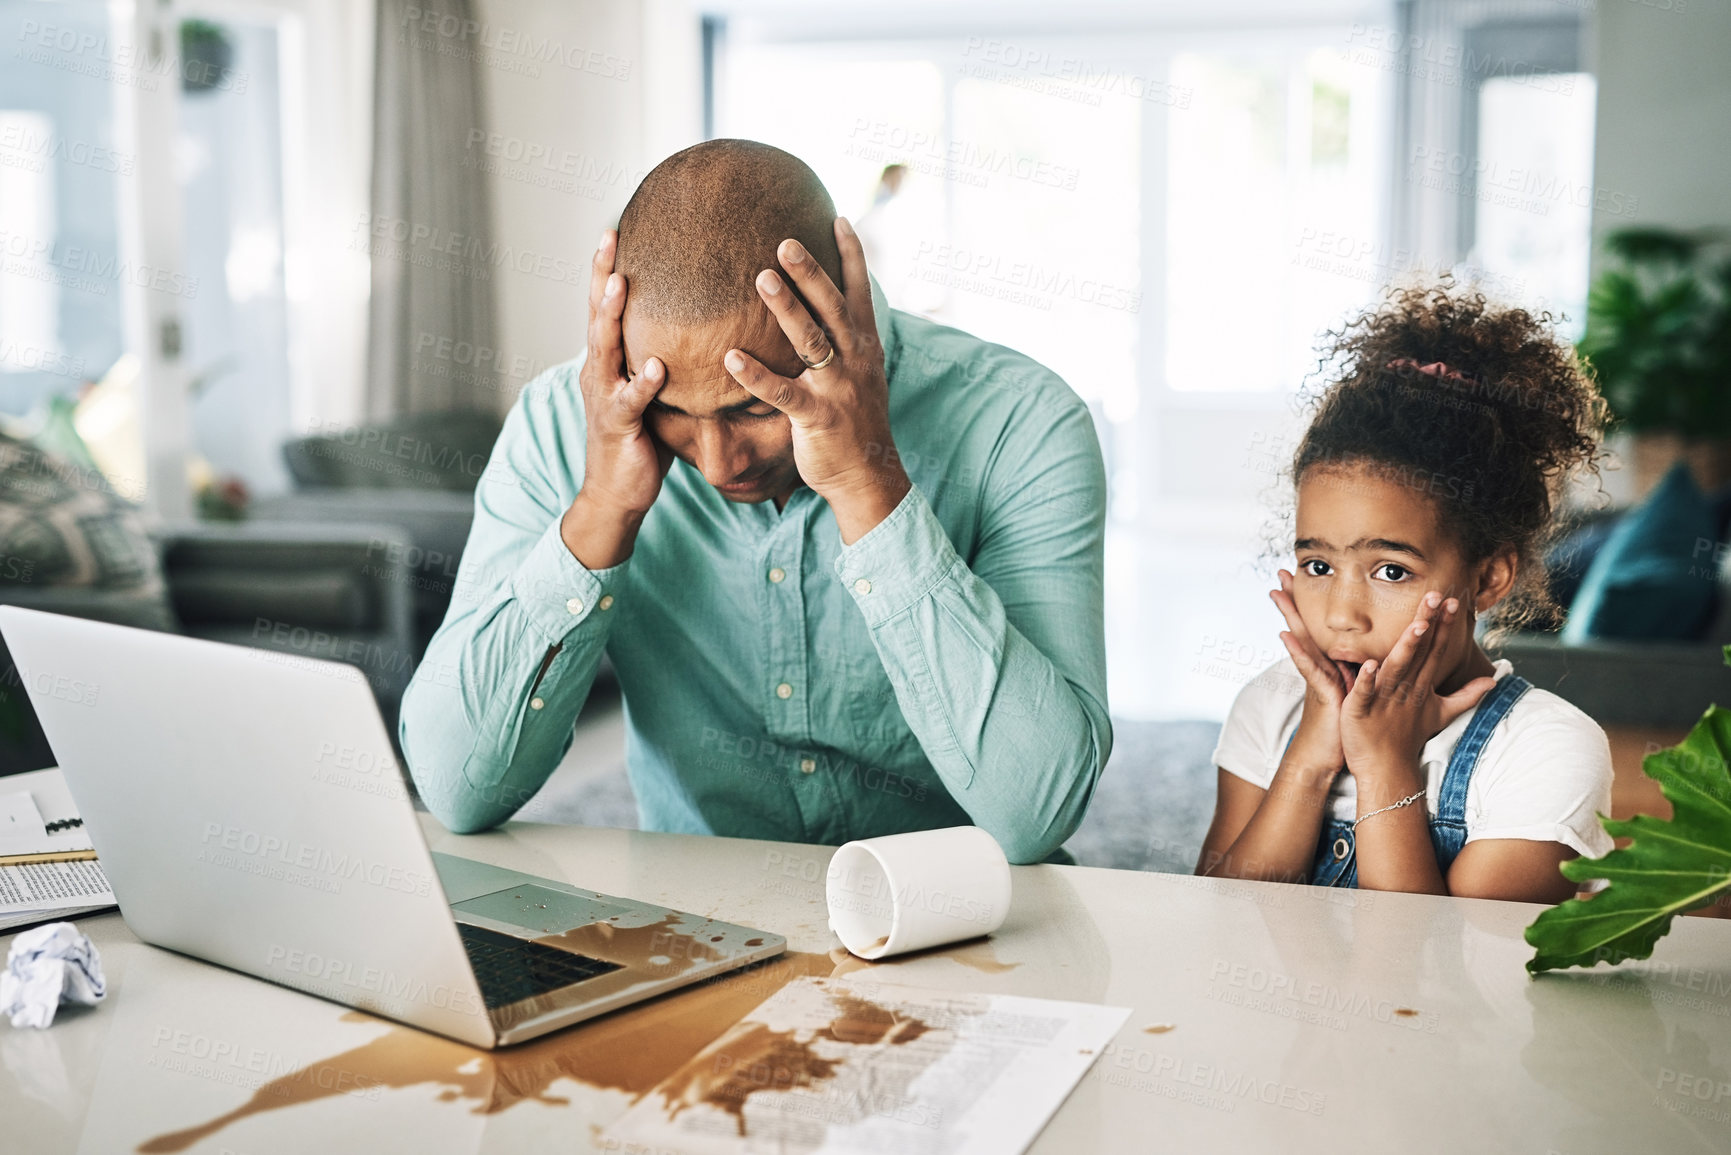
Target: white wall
{"x":1664,"y":123}
{"x":1663,"y":131}
{"x":567,"y":148}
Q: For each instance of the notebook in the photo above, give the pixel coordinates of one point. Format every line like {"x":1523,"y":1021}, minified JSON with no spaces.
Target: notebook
{"x":48,"y":867}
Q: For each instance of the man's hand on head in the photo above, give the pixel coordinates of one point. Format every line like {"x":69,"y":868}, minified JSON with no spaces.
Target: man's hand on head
{"x":839,"y":407}
{"x":623,"y":464}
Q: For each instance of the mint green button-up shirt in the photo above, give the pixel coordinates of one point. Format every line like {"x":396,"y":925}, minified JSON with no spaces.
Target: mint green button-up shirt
{"x":946,"y":668}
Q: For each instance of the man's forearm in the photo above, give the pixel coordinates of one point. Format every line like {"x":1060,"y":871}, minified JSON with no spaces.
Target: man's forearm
{"x":480,"y":745}
{"x":1012,"y":740}
{"x":494,"y":700}
{"x":1016,"y":743}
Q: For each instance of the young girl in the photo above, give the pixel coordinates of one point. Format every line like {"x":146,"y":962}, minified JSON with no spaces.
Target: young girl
{"x":1389,"y":752}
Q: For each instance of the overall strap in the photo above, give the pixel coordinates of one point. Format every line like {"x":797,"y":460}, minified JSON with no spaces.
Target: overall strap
{"x":1336,"y":859}
{"x":1335,"y":862}
{"x":1451,"y":805}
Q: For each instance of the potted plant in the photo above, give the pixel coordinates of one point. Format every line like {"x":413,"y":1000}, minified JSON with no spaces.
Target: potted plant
{"x":206,"y":53}
{"x":1659,"y":336}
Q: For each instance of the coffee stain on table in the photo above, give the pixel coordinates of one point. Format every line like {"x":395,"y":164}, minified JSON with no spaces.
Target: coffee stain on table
{"x":976,"y":954}
{"x":982,"y":957}
{"x":1405,"y":1012}
{"x":1158,"y":1028}
{"x":631,"y":1050}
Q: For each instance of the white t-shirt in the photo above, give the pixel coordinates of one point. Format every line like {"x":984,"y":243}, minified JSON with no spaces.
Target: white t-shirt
{"x":1544,"y":775}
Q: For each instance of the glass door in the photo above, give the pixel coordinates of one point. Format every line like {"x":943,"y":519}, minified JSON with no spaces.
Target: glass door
{"x":228,"y":167}
{"x":92,"y":284}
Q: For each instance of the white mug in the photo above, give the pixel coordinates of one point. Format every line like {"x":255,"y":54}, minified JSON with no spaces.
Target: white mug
{"x":906,"y":892}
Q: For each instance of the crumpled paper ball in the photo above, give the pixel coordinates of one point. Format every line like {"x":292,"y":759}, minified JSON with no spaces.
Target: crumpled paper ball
{"x":48,"y":966}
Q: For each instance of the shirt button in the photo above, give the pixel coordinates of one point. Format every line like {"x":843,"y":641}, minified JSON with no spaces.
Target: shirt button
{"x":807,"y":765}
{"x":777,"y":574}
{"x":862,"y":586}
{"x":784,"y":691}
{"x":536,"y":703}
{"x":606,"y":601}
{"x":575,"y":605}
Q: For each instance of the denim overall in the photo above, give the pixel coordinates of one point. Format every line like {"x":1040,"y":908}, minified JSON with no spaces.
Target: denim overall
{"x":1336,"y":852}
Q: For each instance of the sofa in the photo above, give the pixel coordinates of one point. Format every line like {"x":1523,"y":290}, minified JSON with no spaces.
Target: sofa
{"x":318,"y":591}
{"x":416,"y":474}
{"x":1658,"y":684}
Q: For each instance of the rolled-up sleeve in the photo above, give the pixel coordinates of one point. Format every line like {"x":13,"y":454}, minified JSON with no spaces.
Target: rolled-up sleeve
{"x":998,"y":661}
{"x":493,"y":703}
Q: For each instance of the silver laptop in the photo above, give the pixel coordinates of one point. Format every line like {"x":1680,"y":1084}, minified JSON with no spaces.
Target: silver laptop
{"x":248,"y":810}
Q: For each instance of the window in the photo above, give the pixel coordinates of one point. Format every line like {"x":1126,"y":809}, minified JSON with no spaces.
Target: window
{"x":229,"y":168}
{"x":1534,"y":196}
{"x":1171,"y":218}
{"x":146,"y":213}
{"x":1497,"y":147}
{"x":1009,"y":189}
{"x":61,"y":275}
{"x":1013,"y":215}
{"x":1273,"y":215}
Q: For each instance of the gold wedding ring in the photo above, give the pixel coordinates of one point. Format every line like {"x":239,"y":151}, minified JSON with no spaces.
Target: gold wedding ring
{"x":827,"y":358}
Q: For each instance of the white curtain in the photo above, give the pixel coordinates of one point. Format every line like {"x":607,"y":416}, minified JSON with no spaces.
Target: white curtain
{"x":430,"y":232}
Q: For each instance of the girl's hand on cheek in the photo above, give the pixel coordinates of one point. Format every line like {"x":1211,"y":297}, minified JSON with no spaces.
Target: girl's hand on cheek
{"x":1316,"y":747}
{"x":1394,"y":709}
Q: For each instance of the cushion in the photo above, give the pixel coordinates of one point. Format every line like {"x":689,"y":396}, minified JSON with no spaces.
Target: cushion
{"x":1722,"y":511}
{"x":1567,"y":561}
{"x":424,"y":451}
{"x":63,"y":529}
{"x":321,"y":599}
{"x":1657,"y":575}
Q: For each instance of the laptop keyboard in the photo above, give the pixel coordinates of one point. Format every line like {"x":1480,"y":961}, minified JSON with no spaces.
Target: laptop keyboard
{"x":510,"y":969}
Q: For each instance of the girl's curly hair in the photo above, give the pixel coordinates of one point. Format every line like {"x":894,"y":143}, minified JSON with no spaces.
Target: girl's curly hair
{"x":1491,"y":434}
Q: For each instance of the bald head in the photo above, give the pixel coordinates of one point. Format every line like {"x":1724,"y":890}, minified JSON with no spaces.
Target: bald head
{"x":707,"y":220}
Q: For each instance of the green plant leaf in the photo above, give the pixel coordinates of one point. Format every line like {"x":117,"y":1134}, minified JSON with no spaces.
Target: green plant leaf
{"x":1650,"y":244}
{"x":1669,"y":866}
{"x":1658,"y":332}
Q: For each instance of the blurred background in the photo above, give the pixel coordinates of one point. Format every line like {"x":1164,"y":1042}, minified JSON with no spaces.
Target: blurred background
{"x":271,"y":272}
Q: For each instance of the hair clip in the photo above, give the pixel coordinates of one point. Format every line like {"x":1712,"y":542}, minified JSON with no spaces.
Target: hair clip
{"x":1436,"y":369}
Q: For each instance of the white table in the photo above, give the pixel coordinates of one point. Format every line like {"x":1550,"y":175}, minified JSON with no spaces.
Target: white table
{"x":1285,"y":1018}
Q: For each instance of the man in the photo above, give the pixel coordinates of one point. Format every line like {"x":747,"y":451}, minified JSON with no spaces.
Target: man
{"x":846,"y":562}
